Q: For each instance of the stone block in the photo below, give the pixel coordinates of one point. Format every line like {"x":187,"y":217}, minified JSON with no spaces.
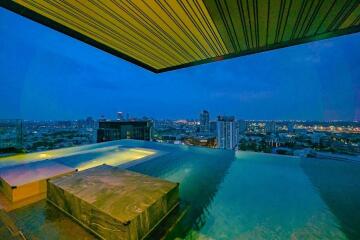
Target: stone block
{"x":114,"y":203}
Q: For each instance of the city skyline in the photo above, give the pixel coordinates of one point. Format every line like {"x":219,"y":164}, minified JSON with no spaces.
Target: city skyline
{"x":315,"y":81}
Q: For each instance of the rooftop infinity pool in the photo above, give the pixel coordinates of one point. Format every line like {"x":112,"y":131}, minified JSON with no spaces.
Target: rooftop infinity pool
{"x":224,"y":195}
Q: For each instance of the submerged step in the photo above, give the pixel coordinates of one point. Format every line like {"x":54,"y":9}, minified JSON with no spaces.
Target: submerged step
{"x":8,"y":228}
{"x":114,"y":203}
{"x":26,"y":183}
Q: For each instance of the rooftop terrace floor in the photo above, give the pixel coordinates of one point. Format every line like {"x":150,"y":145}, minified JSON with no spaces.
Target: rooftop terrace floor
{"x":224,"y":195}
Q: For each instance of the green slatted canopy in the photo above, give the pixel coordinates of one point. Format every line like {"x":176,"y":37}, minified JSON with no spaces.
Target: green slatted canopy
{"x":163,"y":35}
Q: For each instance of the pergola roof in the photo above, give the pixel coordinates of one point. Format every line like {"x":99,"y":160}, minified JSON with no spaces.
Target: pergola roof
{"x":163,"y":35}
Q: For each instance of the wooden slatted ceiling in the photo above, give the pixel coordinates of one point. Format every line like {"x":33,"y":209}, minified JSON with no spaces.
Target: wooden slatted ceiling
{"x":162,"y":35}
{"x":258,"y":24}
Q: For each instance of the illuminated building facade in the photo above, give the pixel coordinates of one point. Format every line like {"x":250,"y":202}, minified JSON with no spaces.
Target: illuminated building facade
{"x":203,"y":141}
{"x":227,"y":132}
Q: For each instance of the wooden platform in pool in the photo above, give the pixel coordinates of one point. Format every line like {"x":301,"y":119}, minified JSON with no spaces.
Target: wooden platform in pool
{"x":114,"y":203}
{"x":24,"y":184}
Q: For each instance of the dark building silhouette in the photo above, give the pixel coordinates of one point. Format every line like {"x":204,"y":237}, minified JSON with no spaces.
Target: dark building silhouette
{"x":116,"y":130}
{"x":11,"y":135}
{"x":204,"y":121}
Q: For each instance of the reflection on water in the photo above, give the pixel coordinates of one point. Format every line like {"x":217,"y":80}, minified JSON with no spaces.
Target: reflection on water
{"x":338,"y":183}
{"x":43,"y":221}
{"x":59,"y":153}
{"x":115,"y":157}
{"x":252,"y":196}
{"x":267,"y":197}
{"x":199,"y":172}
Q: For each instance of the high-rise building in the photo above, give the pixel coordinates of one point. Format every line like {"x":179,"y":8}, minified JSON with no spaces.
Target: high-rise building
{"x":204,"y":121}
{"x":11,"y":135}
{"x":120,"y":116}
{"x":227,"y":132}
{"x":316,"y":138}
{"x":213,"y":127}
{"x":90,"y":123}
{"x":116,"y":130}
{"x":242,"y":124}
{"x":290,"y":127}
{"x":270,"y":127}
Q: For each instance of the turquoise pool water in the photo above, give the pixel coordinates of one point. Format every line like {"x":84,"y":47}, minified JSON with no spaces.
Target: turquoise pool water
{"x":261,"y":196}
{"x":227,"y":195}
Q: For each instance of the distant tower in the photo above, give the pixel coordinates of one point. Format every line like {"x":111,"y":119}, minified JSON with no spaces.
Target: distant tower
{"x":227,"y":132}
{"x":204,"y":121}
{"x":242,"y":126}
{"x":11,"y":134}
{"x":120,"y":116}
{"x":270,"y":127}
{"x":213,"y":127}
{"x":90,"y":123}
{"x":290,"y":127}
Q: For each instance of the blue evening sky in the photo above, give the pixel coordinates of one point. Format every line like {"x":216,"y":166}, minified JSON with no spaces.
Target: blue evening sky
{"x":47,"y":75}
